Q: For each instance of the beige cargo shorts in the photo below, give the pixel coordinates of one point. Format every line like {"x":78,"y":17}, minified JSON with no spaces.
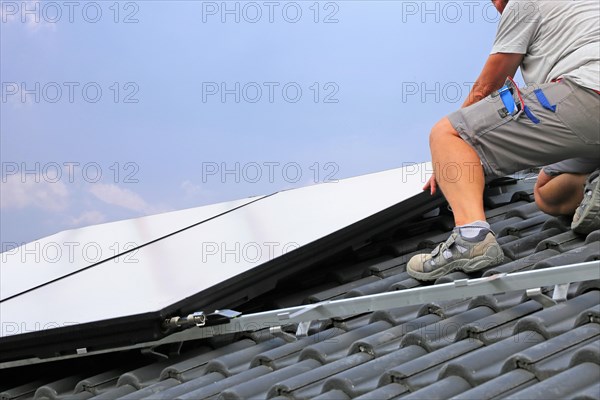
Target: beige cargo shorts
{"x":505,"y":143}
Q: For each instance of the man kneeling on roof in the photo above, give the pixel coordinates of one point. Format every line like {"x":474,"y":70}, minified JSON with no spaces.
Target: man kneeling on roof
{"x":553,"y":122}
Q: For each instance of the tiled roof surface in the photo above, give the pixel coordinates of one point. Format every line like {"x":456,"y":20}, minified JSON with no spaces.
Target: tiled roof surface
{"x":488,"y":347}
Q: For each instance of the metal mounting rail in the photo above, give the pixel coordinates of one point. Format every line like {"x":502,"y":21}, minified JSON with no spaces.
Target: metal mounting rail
{"x":460,"y":289}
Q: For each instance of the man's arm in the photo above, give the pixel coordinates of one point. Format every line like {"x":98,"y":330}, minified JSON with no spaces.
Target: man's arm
{"x":497,"y":67}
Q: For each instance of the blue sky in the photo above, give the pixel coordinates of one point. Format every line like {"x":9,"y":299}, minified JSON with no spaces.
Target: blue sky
{"x":114,"y":110}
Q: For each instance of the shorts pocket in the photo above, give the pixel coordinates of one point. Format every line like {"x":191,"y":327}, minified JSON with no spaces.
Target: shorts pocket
{"x":580,"y":112}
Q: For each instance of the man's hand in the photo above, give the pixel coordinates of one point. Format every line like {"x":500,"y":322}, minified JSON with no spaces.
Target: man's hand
{"x":431,"y":185}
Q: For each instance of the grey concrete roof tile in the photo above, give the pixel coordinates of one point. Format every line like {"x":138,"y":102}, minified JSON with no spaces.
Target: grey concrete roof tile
{"x":398,"y":315}
{"x":560,"y":318}
{"x":593,"y":237}
{"x":365,"y":377}
{"x":150,"y":391}
{"x":98,"y":383}
{"x":561,"y":222}
{"x":415,"y":243}
{"x":373,"y":344}
{"x":525,"y":211}
{"x":81,"y":396}
{"x":351,"y":322}
{"x":500,"y":228}
{"x":385,"y":348}
{"x":583,"y":378}
{"x":115,"y":393}
{"x":521,"y":264}
{"x":22,"y":391}
{"x":333,"y":395}
{"x":192,"y":366}
{"x":486,"y":300}
{"x":390,"y":272}
{"x":449,"y":386}
{"x":189,"y":386}
{"x":290,"y":352}
{"x":233,"y":363}
{"x":560,"y":361}
{"x":588,"y":252}
{"x":588,"y":353}
{"x":523,"y":227}
{"x":144,"y":376}
{"x":500,"y":386}
{"x":582,"y":287}
{"x":212,"y":388}
{"x":380,"y":267}
{"x":499,"y":213}
{"x":443,"y":333}
{"x":562,"y":242}
{"x":591,"y":314}
{"x":397,"y":249}
{"x":341,"y":290}
{"x":498,"y":200}
{"x":446,"y":309}
{"x":486,"y":362}
{"x":310,"y":383}
{"x":258,"y":387}
{"x":497,"y":326}
{"x":390,"y":391}
{"x":354,"y":271}
{"x":506,"y":239}
{"x":554,"y":355}
{"x":417,"y":373}
{"x":529,"y":244}
{"x":406,"y":284}
{"x":59,"y":388}
{"x":379,"y":286}
{"x":331,"y":350}
{"x":510,"y":299}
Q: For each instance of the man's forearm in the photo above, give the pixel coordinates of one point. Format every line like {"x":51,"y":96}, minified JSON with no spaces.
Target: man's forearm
{"x":497,"y":67}
{"x":480,"y":91}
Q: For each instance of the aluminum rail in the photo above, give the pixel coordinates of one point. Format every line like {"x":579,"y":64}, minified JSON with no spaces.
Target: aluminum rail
{"x":460,"y":289}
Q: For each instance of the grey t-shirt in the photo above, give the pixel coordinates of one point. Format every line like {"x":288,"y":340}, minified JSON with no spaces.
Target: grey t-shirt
{"x":558,"y":38}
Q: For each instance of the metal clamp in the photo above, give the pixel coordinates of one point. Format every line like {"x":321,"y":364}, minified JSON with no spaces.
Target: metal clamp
{"x":278,"y":332}
{"x":197,"y":319}
{"x":537,"y":295}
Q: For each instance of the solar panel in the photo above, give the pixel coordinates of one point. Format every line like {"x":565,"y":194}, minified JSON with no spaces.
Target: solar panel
{"x":32,"y":264}
{"x":194,"y":261}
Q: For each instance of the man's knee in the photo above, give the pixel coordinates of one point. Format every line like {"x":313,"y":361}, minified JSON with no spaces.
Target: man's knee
{"x":442,"y":129}
{"x":542,"y":201}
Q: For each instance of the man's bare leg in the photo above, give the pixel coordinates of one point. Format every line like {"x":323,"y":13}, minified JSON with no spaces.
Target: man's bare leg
{"x":458,"y":172}
{"x":559,"y":195}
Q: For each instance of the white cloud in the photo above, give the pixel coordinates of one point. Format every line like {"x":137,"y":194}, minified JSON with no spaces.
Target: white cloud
{"x":116,"y":196}
{"x":88,"y":218}
{"x":190,"y":189}
{"x":18,"y":191}
{"x":35,"y":15}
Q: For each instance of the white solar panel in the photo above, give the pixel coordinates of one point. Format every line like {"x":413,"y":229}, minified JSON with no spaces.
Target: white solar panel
{"x":52,"y":257}
{"x":178,"y":266}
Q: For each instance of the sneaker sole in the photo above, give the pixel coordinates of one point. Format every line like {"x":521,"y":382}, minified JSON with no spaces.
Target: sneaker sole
{"x":590,"y":220}
{"x":466,"y":266}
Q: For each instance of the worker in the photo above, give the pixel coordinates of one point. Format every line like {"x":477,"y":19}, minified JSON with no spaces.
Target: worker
{"x":553,"y":121}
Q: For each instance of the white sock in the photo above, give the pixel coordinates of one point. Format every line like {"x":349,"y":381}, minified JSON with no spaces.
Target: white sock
{"x":474,"y":229}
